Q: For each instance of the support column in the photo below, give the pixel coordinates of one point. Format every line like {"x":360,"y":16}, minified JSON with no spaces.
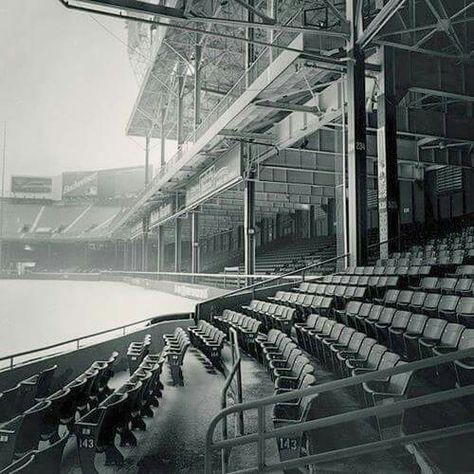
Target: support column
{"x":197,"y":82}
{"x":144,"y":243}
{"x":272,"y":12}
{"x":356,"y":142}
{"x":177,"y":245}
{"x":388,"y":186}
{"x":249,"y":226}
{"x":163,"y":138}
{"x":195,"y":264}
{"x":249,"y":47}
{"x":312,"y":224}
{"x":180,"y":111}
{"x":160,"y":252}
{"x":147,"y":159}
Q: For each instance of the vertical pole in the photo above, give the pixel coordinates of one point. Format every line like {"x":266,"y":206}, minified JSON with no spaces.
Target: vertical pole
{"x":249,"y":226}
{"x":144,"y":243}
{"x":388,"y":187}
{"x":180,"y":111}
{"x":194,"y":244}
{"x":160,"y":249}
{"x":312,"y":214}
{"x":250,"y":47}
{"x":4,"y":159}
{"x":163,"y":138}
{"x":177,"y":245}
{"x":272,"y":12}
{"x":356,"y":142}
{"x":147,"y":159}
{"x":197,"y":82}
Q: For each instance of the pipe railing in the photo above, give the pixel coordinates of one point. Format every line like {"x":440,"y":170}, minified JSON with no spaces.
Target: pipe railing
{"x":78,"y":342}
{"x":263,"y":434}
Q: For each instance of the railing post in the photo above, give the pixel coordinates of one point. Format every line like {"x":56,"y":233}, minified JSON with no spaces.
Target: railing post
{"x":261,"y":440}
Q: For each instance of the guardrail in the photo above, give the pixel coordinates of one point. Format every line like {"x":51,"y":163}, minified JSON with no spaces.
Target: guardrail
{"x":82,"y":341}
{"x":263,"y":434}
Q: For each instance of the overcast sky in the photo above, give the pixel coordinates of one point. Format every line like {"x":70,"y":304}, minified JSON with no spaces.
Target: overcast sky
{"x":66,"y":90}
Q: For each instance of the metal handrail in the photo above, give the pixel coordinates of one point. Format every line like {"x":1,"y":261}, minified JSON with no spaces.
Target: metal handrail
{"x":262,"y":435}
{"x":78,"y":340}
{"x":235,"y":371}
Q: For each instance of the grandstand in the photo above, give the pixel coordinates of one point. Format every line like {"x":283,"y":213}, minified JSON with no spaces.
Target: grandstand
{"x":325,"y":168}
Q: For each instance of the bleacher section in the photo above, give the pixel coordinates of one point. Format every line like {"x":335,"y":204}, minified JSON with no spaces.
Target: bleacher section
{"x":285,"y":256}
{"x":18,"y":218}
{"x":55,"y":219}
{"x":96,"y":216}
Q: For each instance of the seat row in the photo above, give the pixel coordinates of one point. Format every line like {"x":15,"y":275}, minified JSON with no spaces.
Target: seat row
{"x":271,"y":315}
{"x":453,"y":308}
{"x":137,"y":351}
{"x":435,"y":258}
{"x":209,"y":340}
{"x":290,"y":370}
{"x":22,"y":396}
{"x":21,"y":436}
{"x":247,"y":328}
{"x":176,"y":346}
{"x":349,"y":352}
{"x":450,"y":285}
{"x":413,"y":272}
{"x":122,"y":412}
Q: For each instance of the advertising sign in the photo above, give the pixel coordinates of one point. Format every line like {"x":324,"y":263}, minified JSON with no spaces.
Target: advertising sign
{"x":31,"y":185}
{"x":80,"y":184}
{"x":226,"y":169}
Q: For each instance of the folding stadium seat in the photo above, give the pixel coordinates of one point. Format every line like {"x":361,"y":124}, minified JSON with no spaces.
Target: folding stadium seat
{"x":345,"y":279}
{"x":308,"y":324}
{"x":357,"y":321}
{"x":343,"y":315}
{"x":338,"y":296}
{"x":279,"y":296}
{"x":464,"y":287}
{"x":389,"y":299}
{"x":401,"y":271}
{"x":322,"y":305}
{"x":306,"y":306}
{"x":270,"y":340}
{"x":303,"y":287}
{"x":368,"y":324}
{"x":370,"y":363}
{"x":391,"y":334}
{"x":464,"y":368}
{"x":428,"y":285}
{"x":291,"y":413}
{"x":385,"y":392}
{"x":284,"y":365}
{"x":283,"y":354}
{"x":447,"y":285}
{"x":414,"y":330}
{"x":353,"y":280}
{"x":296,"y":368}
{"x":431,"y":303}
{"x":333,"y":336}
{"x":332,"y":346}
{"x":308,"y":333}
{"x":335,"y":280}
{"x":447,"y":308}
{"x":417,"y":301}
{"x":312,"y":288}
{"x":432,"y":331}
{"x":287,"y":384}
{"x":320,"y":289}
{"x":465,"y":311}
{"x":283,"y":321}
{"x":404,"y":299}
{"x":316,"y":335}
{"x":340,"y":353}
{"x":380,"y":328}
{"x":465,"y":271}
{"x":329,"y":290}
{"x":363,"y":281}
{"x":355,"y":356}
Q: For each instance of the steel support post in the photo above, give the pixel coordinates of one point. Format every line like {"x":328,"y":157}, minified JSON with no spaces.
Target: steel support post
{"x":388,"y":187}
{"x":194,"y":243}
{"x":144,"y":243}
{"x":356,"y":140}
{"x":180,"y":111}
{"x":197,"y":82}
{"x":160,"y":252}
{"x":272,"y":12}
{"x":147,"y":160}
{"x":249,"y":226}
{"x":177,"y":245}
{"x":249,"y":47}
{"x":163,"y":138}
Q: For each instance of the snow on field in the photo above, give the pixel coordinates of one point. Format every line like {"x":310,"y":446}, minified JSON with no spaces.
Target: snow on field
{"x":36,"y":313}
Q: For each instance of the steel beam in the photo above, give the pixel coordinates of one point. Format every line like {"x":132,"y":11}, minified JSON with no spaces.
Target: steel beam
{"x":249,"y":226}
{"x":147,"y":159}
{"x":160,"y":253}
{"x":180,"y":111}
{"x":163,"y":138}
{"x":388,"y":188}
{"x":195,"y":243}
{"x":177,"y":245}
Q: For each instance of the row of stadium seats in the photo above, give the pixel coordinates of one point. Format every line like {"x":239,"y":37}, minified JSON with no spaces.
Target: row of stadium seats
{"x":21,"y":436}
{"x":209,"y":340}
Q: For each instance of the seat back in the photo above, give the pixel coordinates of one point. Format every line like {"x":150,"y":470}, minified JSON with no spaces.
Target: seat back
{"x":401,"y":319}
{"x":417,"y":324}
{"x":452,"y":334}
{"x":366,"y":347}
{"x":400,"y":383}
{"x":434,"y":328}
{"x":386,"y":316}
{"x":388,"y":360}
{"x":375,"y":313}
{"x":356,"y":341}
{"x":375,"y":355}
{"x":467,"y":340}
{"x":353,"y":307}
{"x":346,"y":335}
{"x":465,"y":306}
